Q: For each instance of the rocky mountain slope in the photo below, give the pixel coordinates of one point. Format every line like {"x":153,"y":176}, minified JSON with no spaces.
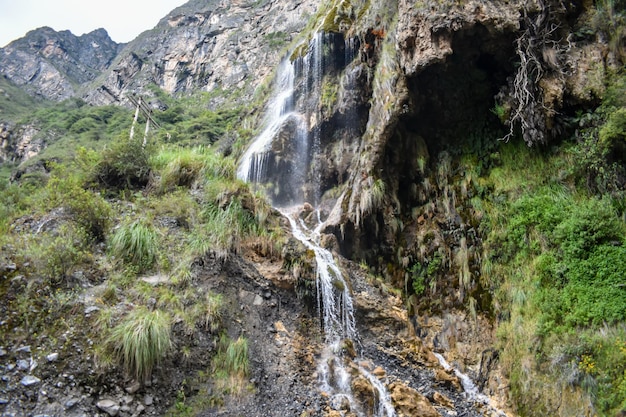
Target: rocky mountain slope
{"x":54,"y":65}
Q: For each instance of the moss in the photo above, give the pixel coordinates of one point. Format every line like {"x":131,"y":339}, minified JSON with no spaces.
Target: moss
{"x":300,"y":51}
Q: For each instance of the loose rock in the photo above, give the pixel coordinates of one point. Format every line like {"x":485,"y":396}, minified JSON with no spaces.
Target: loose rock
{"x":30,"y":380}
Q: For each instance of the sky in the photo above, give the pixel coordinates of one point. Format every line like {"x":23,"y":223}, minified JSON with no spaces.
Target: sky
{"x":122,"y":19}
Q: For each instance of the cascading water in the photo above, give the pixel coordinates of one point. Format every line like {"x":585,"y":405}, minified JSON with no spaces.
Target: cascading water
{"x":471,"y":390}
{"x":335,"y":302}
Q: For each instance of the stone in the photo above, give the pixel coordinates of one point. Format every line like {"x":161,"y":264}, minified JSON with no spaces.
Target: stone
{"x":4,"y":401}
{"x":71,"y":403}
{"x":442,"y":400}
{"x":409,"y":402}
{"x":30,"y":380}
{"x":2,"y":352}
{"x":148,"y":400}
{"x":258,"y":300}
{"x":8,"y":267}
{"x":447,"y":378}
{"x":53,"y":357}
{"x":110,"y":407}
{"x":23,"y":349}
{"x":133,"y":388}
{"x":91,"y":309}
{"x":23,"y":365}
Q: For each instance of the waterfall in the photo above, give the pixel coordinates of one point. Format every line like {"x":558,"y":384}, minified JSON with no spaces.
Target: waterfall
{"x":337,"y":315}
{"x":253,"y":162}
{"x":334,"y":298}
{"x":471,"y":390}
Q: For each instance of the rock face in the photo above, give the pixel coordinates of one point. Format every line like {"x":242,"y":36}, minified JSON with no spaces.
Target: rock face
{"x":218,"y":46}
{"x":49,"y":64}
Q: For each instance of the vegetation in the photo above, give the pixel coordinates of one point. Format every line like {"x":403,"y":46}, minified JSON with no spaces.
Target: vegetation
{"x":137,"y":244}
{"x":141,"y":341}
{"x":231,"y":364}
{"x":97,"y":208}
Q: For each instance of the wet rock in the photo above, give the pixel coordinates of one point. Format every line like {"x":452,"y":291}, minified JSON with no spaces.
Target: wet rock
{"x":409,"y":402}
{"x":447,"y":378}
{"x":110,"y":407}
{"x":442,"y":400}
{"x":30,"y":380}
{"x":364,"y":392}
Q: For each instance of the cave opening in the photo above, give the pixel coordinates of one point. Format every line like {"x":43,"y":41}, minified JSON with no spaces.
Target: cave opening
{"x":451,"y":107}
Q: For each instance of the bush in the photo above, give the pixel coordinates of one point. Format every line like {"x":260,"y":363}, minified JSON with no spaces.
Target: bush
{"x":88,"y":209}
{"x":594,"y":293}
{"x":589,"y":224}
{"x":141,"y":341}
{"x":137,"y":244}
{"x":182,"y":170}
{"x":125,"y":165}
{"x":56,"y":256}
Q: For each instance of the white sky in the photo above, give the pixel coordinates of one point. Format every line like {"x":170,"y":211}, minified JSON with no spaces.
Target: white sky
{"x":122,"y":19}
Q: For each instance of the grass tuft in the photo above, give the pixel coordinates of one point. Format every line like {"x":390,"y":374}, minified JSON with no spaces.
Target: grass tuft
{"x":136,"y":243}
{"x":141,"y":341}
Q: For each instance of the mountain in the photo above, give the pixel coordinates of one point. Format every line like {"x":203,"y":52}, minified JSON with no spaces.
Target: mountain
{"x":54,"y":65}
{"x":220,"y":47}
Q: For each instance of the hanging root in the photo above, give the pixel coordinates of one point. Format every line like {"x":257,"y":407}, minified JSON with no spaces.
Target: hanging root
{"x":541,"y":52}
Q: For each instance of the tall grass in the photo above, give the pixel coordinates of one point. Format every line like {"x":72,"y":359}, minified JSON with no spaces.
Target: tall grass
{"x":136,"y":243}
{"x":231,"y":364}
{"x":213,"y":311}
{"x":225,"y":228}
{"x":141,"y":341}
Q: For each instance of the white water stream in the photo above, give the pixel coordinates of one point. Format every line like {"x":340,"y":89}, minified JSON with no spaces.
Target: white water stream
{"x":471,"y":390}
{"x":337,"y":313}
{"x":335,"y":303}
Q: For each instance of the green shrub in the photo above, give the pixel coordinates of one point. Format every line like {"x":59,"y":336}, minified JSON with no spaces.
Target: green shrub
{"x":141,"y":341}
{"x":125,"y":165}
{"x":87,"y":208}
{"x":55,"y":256}
{"x":589,"y":224}
{"x":136,"y":243}
{"x":594,"y":293}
